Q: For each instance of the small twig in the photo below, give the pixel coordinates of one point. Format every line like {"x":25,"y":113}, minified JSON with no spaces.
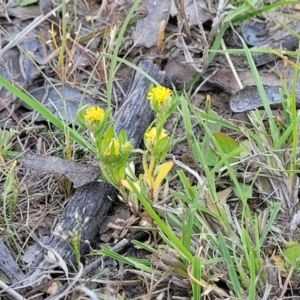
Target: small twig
{"x":88,"y":292}
{"x":67,"y":289}
{"x":10,"y":291}
{"x":287,"y":281}
{"x":118,"y":248}
{"x":183,"y":20}
{"x":102,"y":8}
{"x":195,"y":92}
{"x":236,"y":76}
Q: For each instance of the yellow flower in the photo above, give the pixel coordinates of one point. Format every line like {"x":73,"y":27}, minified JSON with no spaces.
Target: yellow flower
{"x":127,"y":146}
{"x":114,"y":143}
{"x":94,"y":114}
{"x":150,"y":136}
{"x":159,"y":94}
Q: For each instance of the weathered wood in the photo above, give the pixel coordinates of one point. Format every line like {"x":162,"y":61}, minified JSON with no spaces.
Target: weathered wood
{"x":82,"y":217}
{"x":280,"y":39}
{"x":77,"y":173}
{"x":89,"y":205}
{"x":135,"y":115}
{"x":8,"y":264}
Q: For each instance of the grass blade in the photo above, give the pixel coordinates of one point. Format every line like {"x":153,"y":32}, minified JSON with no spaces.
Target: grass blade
{"x":231,"y":269}
{"x":47,"y":114}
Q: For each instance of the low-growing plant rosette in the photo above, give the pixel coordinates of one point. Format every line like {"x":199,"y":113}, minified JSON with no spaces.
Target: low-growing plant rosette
{"x":114,"y":155}
{"x":158,"y":143}
{"x":113,"y":150}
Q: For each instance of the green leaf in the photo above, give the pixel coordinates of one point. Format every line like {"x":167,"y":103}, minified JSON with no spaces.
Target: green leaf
{"x":141,"y":264}
{"x":247,"y":190}
{"x":292,"y":254}
{"x":161,"y":148}
{"x":197,"y":273}
{"x":232,"y":272}
{"x":26,"y":2}
{"x":211,"y":157}
{"x":5,"y":135}
{"x":212,"y":125}
{"x":4,"y":278}
{"x":227,"y":143}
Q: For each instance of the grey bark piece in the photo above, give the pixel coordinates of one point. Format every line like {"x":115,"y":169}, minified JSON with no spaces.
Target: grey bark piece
{"x":10,"y":70}
{"x":32,"y":45}
{"x":64,"y":102}
{"x":146,"y":32}
{"x":89,"y":205}
{"x":135,"y":115}
{"x":78,"y":173}
{"x":279,"y":39}
{"x":248,"y":98}
{"x":84,"y":215}
{"x":9,"y":266}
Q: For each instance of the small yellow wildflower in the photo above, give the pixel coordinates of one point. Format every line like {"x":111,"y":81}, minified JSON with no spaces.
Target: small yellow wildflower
{"x":159,"y":94}
{"x":127,"y":146}
{"x":113,"y":143}
{"x":150,"y":136}
{"x":94,"y":114}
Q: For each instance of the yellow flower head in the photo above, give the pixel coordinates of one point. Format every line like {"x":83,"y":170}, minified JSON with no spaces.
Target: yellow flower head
{"x":151,"y":136}
{"x":127,"y":146}
{"x":114,"y":143}
{"x":159,"y":94}
{"x":94,"y":114}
